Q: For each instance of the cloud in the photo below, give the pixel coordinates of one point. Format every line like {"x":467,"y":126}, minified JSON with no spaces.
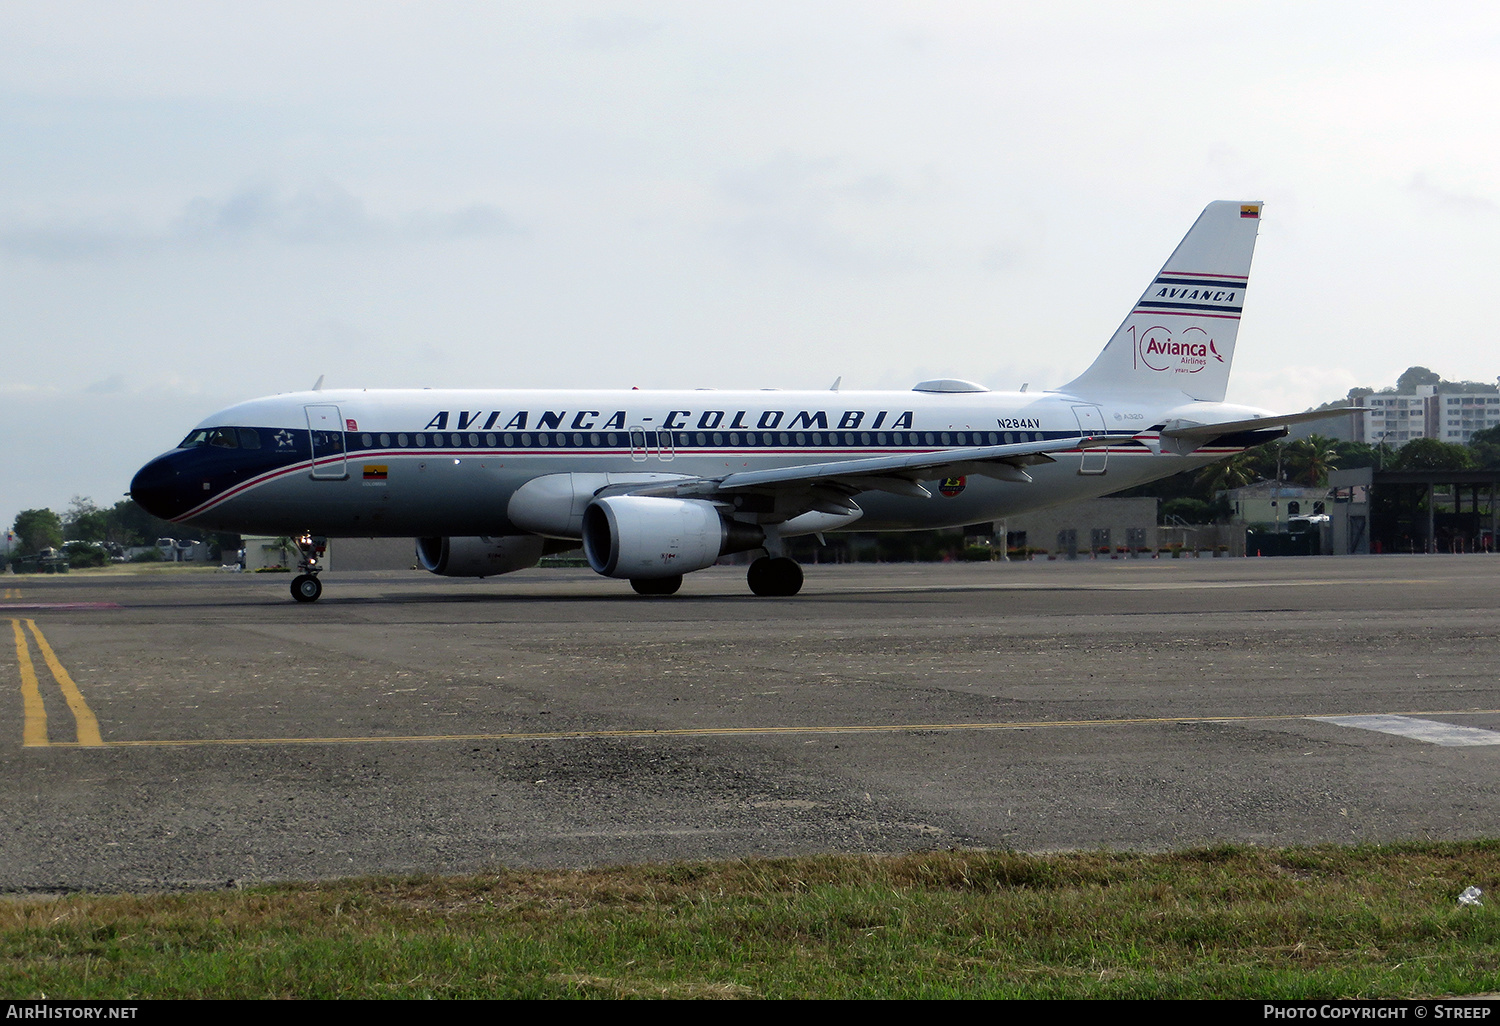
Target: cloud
{"x":812,"y":210}
{"x":614,"y":31}
{"x":323,"y":214}
{"x":1435,"y":197}
{"x":109,"y":386}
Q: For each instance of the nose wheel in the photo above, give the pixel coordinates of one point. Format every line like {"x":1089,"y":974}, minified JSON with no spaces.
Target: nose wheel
{"x":306,"y":588}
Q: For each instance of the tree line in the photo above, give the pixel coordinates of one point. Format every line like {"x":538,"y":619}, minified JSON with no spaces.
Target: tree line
{"x":1198,"y":498}
{"x":91,"y":534}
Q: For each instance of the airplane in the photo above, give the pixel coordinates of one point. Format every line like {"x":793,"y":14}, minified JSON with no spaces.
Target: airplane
{"x":658,"y":484}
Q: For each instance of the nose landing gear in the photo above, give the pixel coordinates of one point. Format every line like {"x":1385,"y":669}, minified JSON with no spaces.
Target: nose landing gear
{"x":305,"y":586}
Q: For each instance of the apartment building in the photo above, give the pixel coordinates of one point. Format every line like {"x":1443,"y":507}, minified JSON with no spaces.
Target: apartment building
{"x":1397,"y":419}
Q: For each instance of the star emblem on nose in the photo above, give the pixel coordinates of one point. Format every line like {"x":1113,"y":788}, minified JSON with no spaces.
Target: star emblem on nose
{"x":283,"y":439}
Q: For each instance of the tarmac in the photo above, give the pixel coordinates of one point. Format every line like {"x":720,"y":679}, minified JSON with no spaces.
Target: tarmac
{"x":203,"y":730}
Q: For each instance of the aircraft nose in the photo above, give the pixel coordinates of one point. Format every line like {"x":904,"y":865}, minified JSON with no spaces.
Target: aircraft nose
{"x":158,"y":488}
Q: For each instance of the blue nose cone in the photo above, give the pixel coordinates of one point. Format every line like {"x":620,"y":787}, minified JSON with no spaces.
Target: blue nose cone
{"x":160,"y":489}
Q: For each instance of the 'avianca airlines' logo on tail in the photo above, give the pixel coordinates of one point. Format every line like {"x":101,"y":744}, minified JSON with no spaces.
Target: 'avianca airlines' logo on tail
{"x":1189,"y":353}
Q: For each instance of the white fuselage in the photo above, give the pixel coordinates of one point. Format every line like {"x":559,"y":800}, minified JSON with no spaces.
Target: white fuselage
{"x":446,"y":462}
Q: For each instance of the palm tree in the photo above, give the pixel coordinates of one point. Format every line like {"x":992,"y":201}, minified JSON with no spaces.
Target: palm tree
{"x":1309,"y":460}
{"x":1235,"y":472}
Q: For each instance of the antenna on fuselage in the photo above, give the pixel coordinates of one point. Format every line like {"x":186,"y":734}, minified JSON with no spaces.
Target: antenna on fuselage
{"x":836,"y":383}
{"x":1024,"y":384}
{"x":318,"y":385}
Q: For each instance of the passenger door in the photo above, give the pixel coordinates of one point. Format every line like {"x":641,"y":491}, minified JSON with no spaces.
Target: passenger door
{"x":1091,"y":422}
{"x":326,"y":427}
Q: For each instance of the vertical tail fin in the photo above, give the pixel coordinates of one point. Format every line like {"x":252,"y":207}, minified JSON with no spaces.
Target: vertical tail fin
{"x":1179,"y":338}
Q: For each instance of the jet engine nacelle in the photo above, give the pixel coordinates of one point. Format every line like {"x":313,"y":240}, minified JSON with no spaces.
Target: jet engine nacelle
{"x":479,"y":557}
{"x":639,"y":536}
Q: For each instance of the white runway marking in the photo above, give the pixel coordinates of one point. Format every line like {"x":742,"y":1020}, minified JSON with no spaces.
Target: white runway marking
{"x":1431,"y":731}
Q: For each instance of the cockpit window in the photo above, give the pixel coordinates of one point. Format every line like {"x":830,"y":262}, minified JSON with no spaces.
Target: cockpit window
{"x":222,"y":437}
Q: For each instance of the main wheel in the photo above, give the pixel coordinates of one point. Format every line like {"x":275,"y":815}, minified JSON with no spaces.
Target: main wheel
{"x":775,"y":577}
{"x":656,"y":585}
{"x":306,"y":588}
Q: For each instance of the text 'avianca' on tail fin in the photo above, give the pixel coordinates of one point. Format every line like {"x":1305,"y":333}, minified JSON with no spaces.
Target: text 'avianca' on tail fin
{"x":1179,"y":338}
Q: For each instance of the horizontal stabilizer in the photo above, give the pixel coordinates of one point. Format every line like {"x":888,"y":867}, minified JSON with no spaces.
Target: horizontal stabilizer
{"x":1182,"y":437}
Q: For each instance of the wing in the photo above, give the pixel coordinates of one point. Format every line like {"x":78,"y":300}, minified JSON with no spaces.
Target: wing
{"x":784,"y":492}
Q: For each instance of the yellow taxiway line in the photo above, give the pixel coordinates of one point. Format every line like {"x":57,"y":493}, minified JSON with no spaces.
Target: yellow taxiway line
{"x":34,"y":729}
{"x":35,"y":735}
{"x":890,"y":728}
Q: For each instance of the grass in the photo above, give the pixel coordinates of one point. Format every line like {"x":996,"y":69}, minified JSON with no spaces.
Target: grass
{"x":1380,"y":921}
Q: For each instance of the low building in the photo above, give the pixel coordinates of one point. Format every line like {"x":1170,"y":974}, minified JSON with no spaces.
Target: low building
{"x":1078,"y":529}
{"x":1275,"y":503}
{"x":270,"y":553}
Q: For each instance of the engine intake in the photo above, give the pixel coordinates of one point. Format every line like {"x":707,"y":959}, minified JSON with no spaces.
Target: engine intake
{"x":641,"y":537}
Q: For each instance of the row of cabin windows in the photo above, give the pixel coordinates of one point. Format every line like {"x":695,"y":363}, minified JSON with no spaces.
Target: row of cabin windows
{"x":683,"y":439}
{"x":249,"y":438}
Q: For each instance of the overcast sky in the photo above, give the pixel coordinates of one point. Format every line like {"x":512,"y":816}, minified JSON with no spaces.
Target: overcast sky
{"x":205,"y":202}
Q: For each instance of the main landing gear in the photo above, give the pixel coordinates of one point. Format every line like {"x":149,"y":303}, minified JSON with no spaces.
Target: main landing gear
{"x":777,"y":576}
{"x":656,"y":585}
{"x":770,"y":576}
{"x":305,"y":586}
